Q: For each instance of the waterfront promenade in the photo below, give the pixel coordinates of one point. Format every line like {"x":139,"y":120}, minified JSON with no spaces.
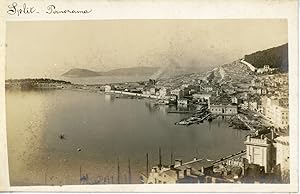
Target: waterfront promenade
{"x":133,"y":94}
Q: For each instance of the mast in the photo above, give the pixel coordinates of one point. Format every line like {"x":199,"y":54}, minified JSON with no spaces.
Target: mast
{"x":159,"y":152}
{"x":118,"y":171}
{"x":129,"y":172}
{"x":80,"y":173}
{"x":147,"y":165}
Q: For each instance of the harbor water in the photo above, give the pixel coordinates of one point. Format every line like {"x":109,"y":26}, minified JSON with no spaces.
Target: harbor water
{"x":98,"y":130}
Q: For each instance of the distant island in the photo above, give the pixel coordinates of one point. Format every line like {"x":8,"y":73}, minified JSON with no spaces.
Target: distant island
{"x":133,"y":71}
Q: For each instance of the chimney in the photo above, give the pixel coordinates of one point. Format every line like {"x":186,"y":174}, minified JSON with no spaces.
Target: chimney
{"x":178,"y":162}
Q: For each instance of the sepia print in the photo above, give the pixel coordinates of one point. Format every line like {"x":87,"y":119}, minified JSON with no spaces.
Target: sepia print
{"x":147,"y":102}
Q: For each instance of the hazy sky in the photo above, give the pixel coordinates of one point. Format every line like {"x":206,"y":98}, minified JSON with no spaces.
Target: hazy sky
{"x":50,"y":48}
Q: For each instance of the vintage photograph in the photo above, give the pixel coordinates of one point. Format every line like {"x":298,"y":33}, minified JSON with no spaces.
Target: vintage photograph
{"x":147,"y":101}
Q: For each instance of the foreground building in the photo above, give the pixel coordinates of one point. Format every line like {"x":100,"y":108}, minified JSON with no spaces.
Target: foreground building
{"x":189,"y":172}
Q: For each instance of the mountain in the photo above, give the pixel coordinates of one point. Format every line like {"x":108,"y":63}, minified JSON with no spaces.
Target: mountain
{"x":133,"y":71}
{"x":276,"y":57}
{"x":81,"y":73}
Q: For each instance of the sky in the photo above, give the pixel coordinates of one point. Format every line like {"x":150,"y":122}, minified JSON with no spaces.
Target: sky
{"x":50,"y":48}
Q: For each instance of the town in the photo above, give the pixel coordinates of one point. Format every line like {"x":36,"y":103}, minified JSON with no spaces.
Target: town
{"x":260,"y":106}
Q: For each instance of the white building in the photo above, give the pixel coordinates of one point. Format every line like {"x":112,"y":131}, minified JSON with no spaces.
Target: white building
{"x":276,"y":112}
{"x":107,"y":88}
{"x":164,"y":92}
{"x":258,"y":152}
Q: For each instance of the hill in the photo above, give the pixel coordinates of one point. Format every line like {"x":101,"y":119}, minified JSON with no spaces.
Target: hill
{"x":276,"y":57}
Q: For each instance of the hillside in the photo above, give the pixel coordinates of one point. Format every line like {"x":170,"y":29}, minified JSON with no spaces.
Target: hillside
{"x":276,"y":57}
{"x":131,"y":71}
{"x":236,"y":72}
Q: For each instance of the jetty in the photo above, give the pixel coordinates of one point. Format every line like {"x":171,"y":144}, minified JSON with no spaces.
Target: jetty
{"x":193,"y":119}
{"x":181,"y":112}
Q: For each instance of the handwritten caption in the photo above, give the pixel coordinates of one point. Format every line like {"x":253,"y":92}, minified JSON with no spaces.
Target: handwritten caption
{"x":23,"y":9}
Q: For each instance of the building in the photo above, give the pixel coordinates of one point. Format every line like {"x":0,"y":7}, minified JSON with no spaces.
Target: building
{"x":202,"y":97}
{"x":164,"y":92}
{"x":220,"y":109}
{"x":206,"y":88}
{"x":234,"y":100}
{"x":222,"y":105}
{"x":276,"y":110}
{"x":153,"y":91}
{"x":261,"y":150}
{"x":244,"y":105}
{"x":177,"y":92}
{"x":182,"y":102}
{"x":253,"y":105}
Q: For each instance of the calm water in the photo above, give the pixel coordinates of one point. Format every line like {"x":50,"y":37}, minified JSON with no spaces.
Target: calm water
{"x":105,"y":128}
